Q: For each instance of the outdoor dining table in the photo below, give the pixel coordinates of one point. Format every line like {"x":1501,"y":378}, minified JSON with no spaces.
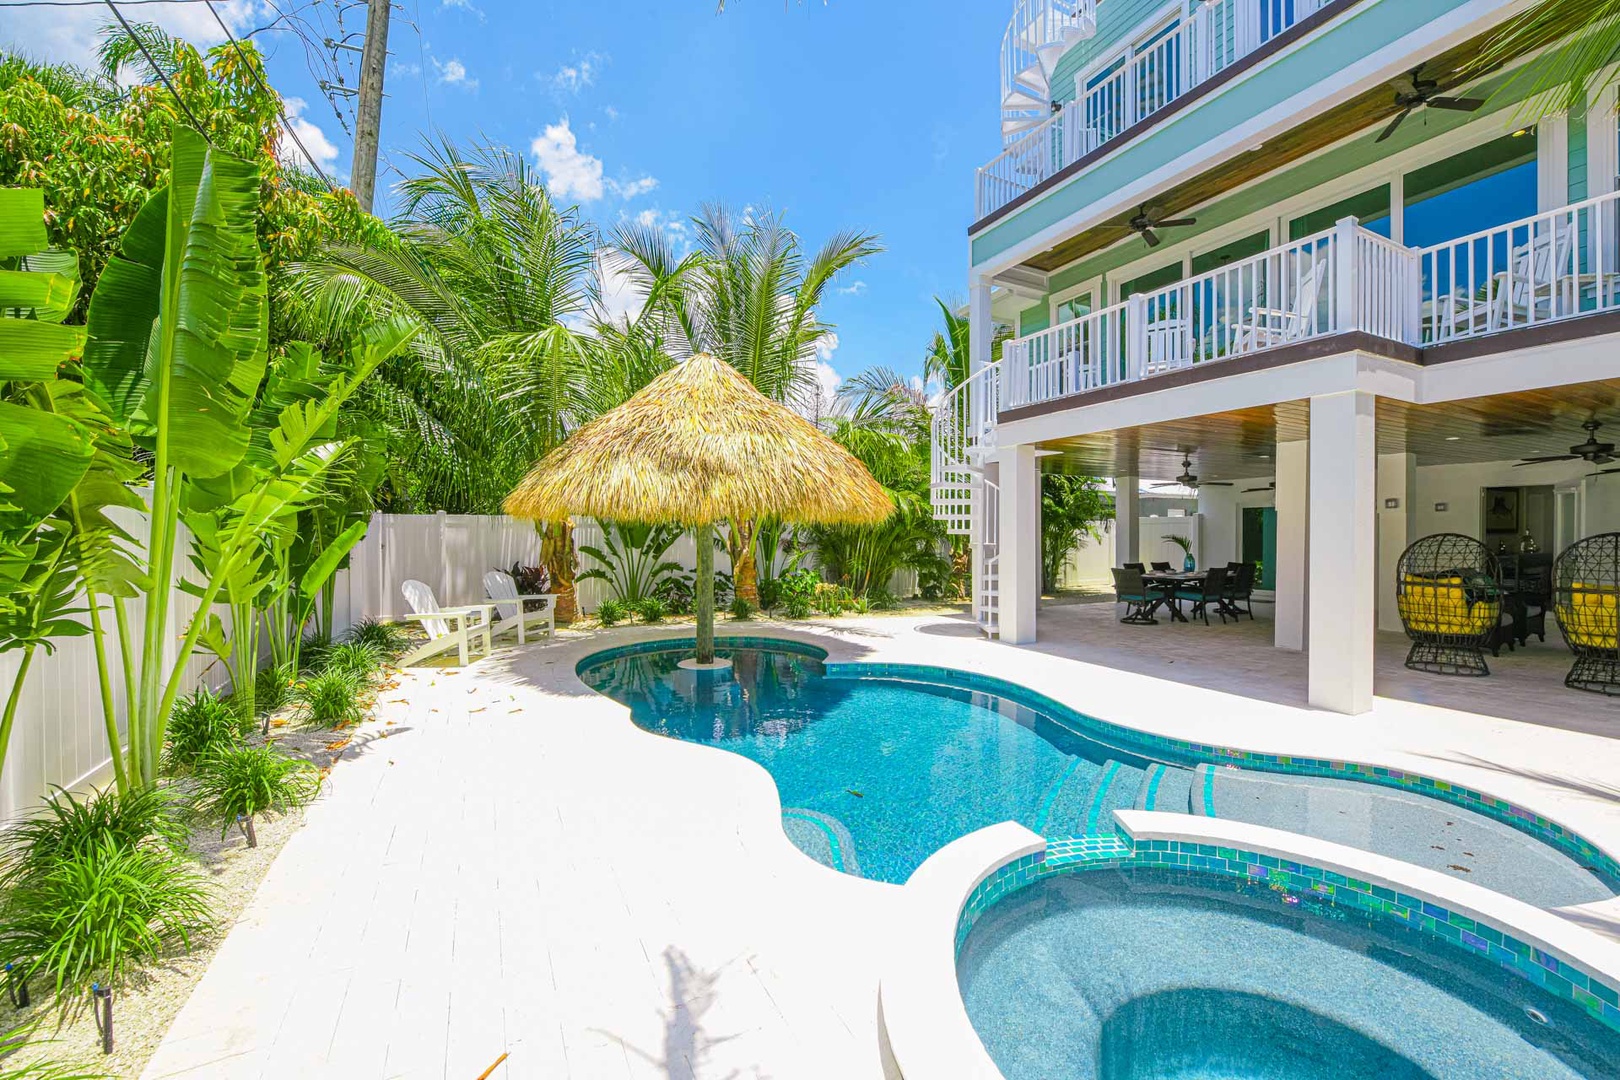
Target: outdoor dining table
{"x":1168,"y":581}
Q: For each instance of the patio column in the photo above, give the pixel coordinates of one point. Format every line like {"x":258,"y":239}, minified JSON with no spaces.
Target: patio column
{"x":1020,"y":548}
{"x":1397,"y":481}
{"x":1343,"y":557}
{"x":1127,"y":519}
{"x":1293,"y":485}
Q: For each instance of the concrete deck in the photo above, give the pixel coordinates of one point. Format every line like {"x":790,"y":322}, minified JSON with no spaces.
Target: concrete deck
{"x":517,"y":869}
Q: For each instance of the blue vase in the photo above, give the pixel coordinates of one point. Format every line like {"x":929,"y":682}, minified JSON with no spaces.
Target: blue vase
{"x":1189,"y":564}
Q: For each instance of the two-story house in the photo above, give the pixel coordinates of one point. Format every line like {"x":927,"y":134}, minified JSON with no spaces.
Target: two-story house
{"x":1309,"y":257}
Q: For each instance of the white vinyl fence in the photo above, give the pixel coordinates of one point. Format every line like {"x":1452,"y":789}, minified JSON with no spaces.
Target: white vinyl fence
{"x":59,"y":737}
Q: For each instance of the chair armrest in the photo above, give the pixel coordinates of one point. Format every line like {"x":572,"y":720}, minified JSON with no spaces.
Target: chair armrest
{"x":454,"y":614}
{"x":535,"y":596}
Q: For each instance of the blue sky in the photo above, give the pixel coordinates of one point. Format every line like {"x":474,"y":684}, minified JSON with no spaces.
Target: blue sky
{"x":867,"y":114}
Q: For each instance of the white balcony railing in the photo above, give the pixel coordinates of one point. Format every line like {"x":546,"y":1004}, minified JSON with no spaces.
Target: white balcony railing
{"x":1038,"y":32}
{"x":964,"y":431}
{"x":1553,"y":266}
{"x":1217,"y":34}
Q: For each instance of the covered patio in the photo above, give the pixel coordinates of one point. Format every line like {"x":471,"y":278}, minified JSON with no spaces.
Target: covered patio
{"x":1526,"y":684}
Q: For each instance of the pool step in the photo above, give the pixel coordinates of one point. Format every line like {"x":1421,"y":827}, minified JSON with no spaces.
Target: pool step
{"x":1201,"y":799}
{"x":1166,"y":788}
{"x":1065,"y":802}
{"x":1114,"y":788}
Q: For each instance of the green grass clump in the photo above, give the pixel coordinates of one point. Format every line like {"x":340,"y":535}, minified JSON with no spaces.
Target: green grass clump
{"x":273,"y":688}
{"x":201,"y":723}
{"x":312,"y":652}
{"x":95,"y":885}
{"x":332,"y":697}
{"x":651,"y":609}
{"x":741,"y":609}
{"x":610,"y":612}
{"x":388,"y":639}
{"x":89,"y":917}
{"x":360,"y":659}
{"x":249,"y":781}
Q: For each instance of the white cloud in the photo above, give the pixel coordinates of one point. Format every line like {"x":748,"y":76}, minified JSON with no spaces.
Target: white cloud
{"x":610,"y":112}
{"x":569,"y":170}
{"x":632,"y":188}
{"x":70,"y":35}
{"x":454,"y":72}
{"x":573,"y":77}
{"x":620,"y":295}
{"x":827,"y":378}
{"x":313,"y":138}
{"x":464,"y":5}
{"x":854,"y":288}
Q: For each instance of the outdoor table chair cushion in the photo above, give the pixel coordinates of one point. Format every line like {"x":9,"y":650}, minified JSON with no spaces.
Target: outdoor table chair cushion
{"x":1596,"y":612}
{"x":1442,"y":606}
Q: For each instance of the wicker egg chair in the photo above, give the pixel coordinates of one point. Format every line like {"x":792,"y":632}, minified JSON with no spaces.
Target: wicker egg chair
{"x":1586,"y":588}
{"x":1450,"y":604}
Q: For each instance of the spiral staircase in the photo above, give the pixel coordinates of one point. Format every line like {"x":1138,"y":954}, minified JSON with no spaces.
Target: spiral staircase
{"x":1038,"y":34}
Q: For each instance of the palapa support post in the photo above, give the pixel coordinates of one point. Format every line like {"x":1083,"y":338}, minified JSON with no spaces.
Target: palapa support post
{"x":705,"y":593}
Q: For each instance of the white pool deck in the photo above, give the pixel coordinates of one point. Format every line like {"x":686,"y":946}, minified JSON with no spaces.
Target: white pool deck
{"x":517,"y":869}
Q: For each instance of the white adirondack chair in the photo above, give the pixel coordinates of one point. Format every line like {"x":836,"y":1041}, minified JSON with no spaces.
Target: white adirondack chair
{"x":453,"y":627}
{"x":1279,"y":326}
{"x":509,"y":605}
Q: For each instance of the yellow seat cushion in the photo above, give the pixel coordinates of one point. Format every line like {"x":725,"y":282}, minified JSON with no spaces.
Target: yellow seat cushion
{"x":1440,"y":606}
{"x":1592,"y":615}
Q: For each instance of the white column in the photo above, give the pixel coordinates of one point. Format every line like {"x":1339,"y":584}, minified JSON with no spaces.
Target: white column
{"x":1343,"y":556}
{"x":1218,"y":526}
{"x":1127,"y":519}
{"x":1293,"y":486}
{"x":1552,"y":163}
{"x":1397,"y":480}
{"x":1020,"y":542}
{"x":1602,"y":145}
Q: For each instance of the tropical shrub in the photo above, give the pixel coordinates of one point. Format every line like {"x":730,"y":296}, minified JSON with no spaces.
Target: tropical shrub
{"x":831,"y":599}
{"x":801,"y":584}
{"x":312,"y":652}
{"x":609,"y":612}
{"x":881,"y":600}
{"x":352,"y":658}
{"x":796,"y":607}
{"x":248,"y":781}
{"x":273,"y":688}
{"x":67,"y":826}
{"x":331,"y":697}
{"x":741,"y":609}
{"x":633,"y":560}
{"x":770,"y":593}
{"x":676,"y":592}
{"x":388,"y":640}
{"x":861,"y":605}
{"x":530,"y":579}
{"x":202,"y":723}
{"x":651,"y":609}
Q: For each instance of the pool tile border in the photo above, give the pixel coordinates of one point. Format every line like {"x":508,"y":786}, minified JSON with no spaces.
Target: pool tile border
{"x":1186,"y":753}
{"x":1598,"y":998}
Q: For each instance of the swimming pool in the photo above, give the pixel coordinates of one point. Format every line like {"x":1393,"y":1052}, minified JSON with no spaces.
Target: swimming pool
{"x":878,"y":767}
{"x":1156,"y":974}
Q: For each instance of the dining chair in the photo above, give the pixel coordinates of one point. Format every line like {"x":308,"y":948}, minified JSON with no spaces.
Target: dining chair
{"x":1161,"y":568}
{"x":1239,"y":590}
{"x":1206,"y":594}
{"x":1140,"y":568}
{"x":1132,"y":591}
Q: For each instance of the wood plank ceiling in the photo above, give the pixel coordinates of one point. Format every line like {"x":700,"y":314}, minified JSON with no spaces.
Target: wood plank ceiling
{"x":1241,"y":444}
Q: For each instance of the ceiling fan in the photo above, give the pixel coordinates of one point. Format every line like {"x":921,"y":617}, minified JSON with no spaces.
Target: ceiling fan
{"x":1146,"y":219}
{"x":1269,"y":487}
{"x":1597,"y":453}
{"x":1413,"y":92}
{"x":1188,"y":479}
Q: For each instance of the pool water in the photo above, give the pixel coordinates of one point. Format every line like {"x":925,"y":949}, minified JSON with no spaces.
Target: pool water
{"x":876,"y":773}
{"x":1150,"y":974}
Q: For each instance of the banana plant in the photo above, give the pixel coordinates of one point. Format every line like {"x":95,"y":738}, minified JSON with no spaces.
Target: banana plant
{"x":44,"y":453}
{"x":632,"y":559}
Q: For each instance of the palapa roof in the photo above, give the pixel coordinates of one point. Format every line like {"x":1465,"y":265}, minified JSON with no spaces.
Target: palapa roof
{"x":698,"y":444}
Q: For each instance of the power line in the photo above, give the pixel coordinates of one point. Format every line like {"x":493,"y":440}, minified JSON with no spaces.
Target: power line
{"x":280,"y":109}
{"x":89,"y":3}
{"x":140,"y":43}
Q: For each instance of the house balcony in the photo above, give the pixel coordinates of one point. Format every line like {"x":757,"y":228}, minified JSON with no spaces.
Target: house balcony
{"x":1125,"y":92}
{"x":1534,"y":272}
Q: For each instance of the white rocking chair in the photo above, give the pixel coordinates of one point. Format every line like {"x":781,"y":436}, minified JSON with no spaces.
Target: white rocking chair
{"x":446,"y":627}
{"x":1278,"y":326}
{"x":509,"y":605}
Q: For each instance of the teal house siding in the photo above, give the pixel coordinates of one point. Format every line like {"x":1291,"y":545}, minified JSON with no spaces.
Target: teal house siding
{"x":1116,"y":19}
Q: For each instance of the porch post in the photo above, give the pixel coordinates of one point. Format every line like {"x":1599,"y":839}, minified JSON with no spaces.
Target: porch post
{"x":1293,"y":484}
{"x":1020,"y":542}
{"x":1343,"y":557}
{"x":1127,"y":519}
{"x":1397,"y":479}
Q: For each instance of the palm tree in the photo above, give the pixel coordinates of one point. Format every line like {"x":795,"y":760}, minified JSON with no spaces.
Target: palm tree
{"x":1565,"y":78}
{"x":948,"y":361}
{"x":749,"y":295}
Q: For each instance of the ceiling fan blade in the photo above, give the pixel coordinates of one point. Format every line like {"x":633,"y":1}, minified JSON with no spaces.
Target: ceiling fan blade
{"x":1457,"y":104}
{"x":1251,"y":491}
{"x":1601,"y":459}
{"x":1151,"y":238}
{"x":1395,"y":123}
{"x":1216,"y":483}
{"x":1406,"y":85}
{"x":1173,"y":483}
{"x":1543,"y":460}
{"x":1175,"y":222}
{"x":1604,"y":472}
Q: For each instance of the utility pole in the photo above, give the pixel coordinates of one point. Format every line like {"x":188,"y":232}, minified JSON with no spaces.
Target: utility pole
{"x":368,"y":119}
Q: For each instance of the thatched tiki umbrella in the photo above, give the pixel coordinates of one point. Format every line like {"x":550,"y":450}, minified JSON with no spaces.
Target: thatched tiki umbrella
{"x":699,"y":445}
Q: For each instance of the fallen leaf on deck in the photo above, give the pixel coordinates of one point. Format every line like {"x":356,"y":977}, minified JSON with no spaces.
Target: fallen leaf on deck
{"x":1454,"y":866}
{"x":336,"y":746}
{"x":480,"y":708}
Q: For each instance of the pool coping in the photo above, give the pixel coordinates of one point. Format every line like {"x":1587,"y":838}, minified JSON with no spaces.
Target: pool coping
{"x":925,"y":1023}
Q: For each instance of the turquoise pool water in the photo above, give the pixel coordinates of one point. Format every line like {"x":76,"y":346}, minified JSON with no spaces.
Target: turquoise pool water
{"x":1148,"y":974}
{"x":877,"y":772}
